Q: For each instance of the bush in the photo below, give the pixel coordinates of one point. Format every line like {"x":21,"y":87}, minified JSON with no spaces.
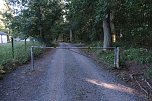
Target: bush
{"x":21,"y":53}
{"x":107,"y":56}
{"x":140,"y":55}
{"x":104,"y":56}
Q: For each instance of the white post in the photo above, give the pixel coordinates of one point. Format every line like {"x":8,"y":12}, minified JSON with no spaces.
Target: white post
{"x":117,"y":56}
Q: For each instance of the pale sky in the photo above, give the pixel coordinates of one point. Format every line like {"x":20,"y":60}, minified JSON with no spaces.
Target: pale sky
{"x":2,"y":4}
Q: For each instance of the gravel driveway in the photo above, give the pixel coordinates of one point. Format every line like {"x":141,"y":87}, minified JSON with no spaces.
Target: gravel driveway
{"x":64,"y":75}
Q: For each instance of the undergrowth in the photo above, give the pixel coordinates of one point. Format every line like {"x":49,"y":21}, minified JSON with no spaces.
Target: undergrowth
{"x":139,"y":55}
{"x":105,"y":56}
{"x":21,"y":54}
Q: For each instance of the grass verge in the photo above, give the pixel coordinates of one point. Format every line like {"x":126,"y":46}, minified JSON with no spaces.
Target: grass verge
{"x":138,"y":55}
{"x":106,"y":57}
{"x":135,"y":63}
{"x":21,"y":54}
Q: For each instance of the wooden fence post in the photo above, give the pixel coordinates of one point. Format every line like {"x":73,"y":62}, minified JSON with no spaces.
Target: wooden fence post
{"x":12,"y":40}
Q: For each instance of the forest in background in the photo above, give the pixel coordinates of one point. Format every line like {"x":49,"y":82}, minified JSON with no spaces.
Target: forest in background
{"x":113,"y":22}
{"x":129,"y":21}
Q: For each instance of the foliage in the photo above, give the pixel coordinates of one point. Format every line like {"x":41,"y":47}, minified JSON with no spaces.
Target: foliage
{"x":81,"y":18}
{"x":44,"y":20}
{"x":21,"y":53}
{"x":41,"y":19}
{"x":140,"y":55}
{"x":36,"y":18}
{"x":132,"y":20}
{"x":105,"y":56}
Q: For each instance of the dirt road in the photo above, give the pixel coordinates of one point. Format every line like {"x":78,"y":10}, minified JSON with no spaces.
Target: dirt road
{"x":63,"y":75}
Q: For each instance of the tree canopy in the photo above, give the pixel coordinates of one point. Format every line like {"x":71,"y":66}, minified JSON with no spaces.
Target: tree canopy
{"x":36,"y":18}
{"x":129,"y":19}
{"x":89,"y":20}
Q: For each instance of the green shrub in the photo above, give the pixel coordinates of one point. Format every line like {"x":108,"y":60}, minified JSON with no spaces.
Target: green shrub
{"x":105,"y":56}
{"x":21,"y":53}
{"x":140,"y":55}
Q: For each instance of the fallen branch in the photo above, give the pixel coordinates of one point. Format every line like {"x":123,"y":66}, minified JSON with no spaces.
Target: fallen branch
{"x":141,"y":86}
{"x":148,"y":84}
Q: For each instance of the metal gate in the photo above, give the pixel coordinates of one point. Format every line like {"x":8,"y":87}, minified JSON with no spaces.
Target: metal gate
{"x":116,"y":52}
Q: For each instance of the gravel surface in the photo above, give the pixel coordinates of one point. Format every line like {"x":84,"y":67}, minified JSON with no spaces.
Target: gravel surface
{"x":65,"y":75}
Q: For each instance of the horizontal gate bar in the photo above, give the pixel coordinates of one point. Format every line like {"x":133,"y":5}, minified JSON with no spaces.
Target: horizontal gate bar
{"x":116,"y":52}
{"x":74,"y":47}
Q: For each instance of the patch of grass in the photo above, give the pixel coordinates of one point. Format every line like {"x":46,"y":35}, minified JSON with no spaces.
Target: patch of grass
{"x":139,"y":55}
{"x":104,"y":56}
{"x":107,"y":56}
{"x":21,"y":54}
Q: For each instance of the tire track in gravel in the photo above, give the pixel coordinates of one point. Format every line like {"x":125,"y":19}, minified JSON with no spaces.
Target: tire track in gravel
{"x":56,"y":77}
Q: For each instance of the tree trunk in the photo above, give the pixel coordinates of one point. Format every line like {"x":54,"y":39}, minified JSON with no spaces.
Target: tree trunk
{"x":107,"y":32}
{"x":112,"y":22}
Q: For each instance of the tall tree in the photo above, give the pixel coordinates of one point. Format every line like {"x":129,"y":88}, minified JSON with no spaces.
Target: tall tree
{"x":107,"y":31}
{"x":37,"y":18}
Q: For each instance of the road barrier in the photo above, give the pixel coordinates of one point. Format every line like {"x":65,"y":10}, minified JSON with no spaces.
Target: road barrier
{"x":116,"y":52}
